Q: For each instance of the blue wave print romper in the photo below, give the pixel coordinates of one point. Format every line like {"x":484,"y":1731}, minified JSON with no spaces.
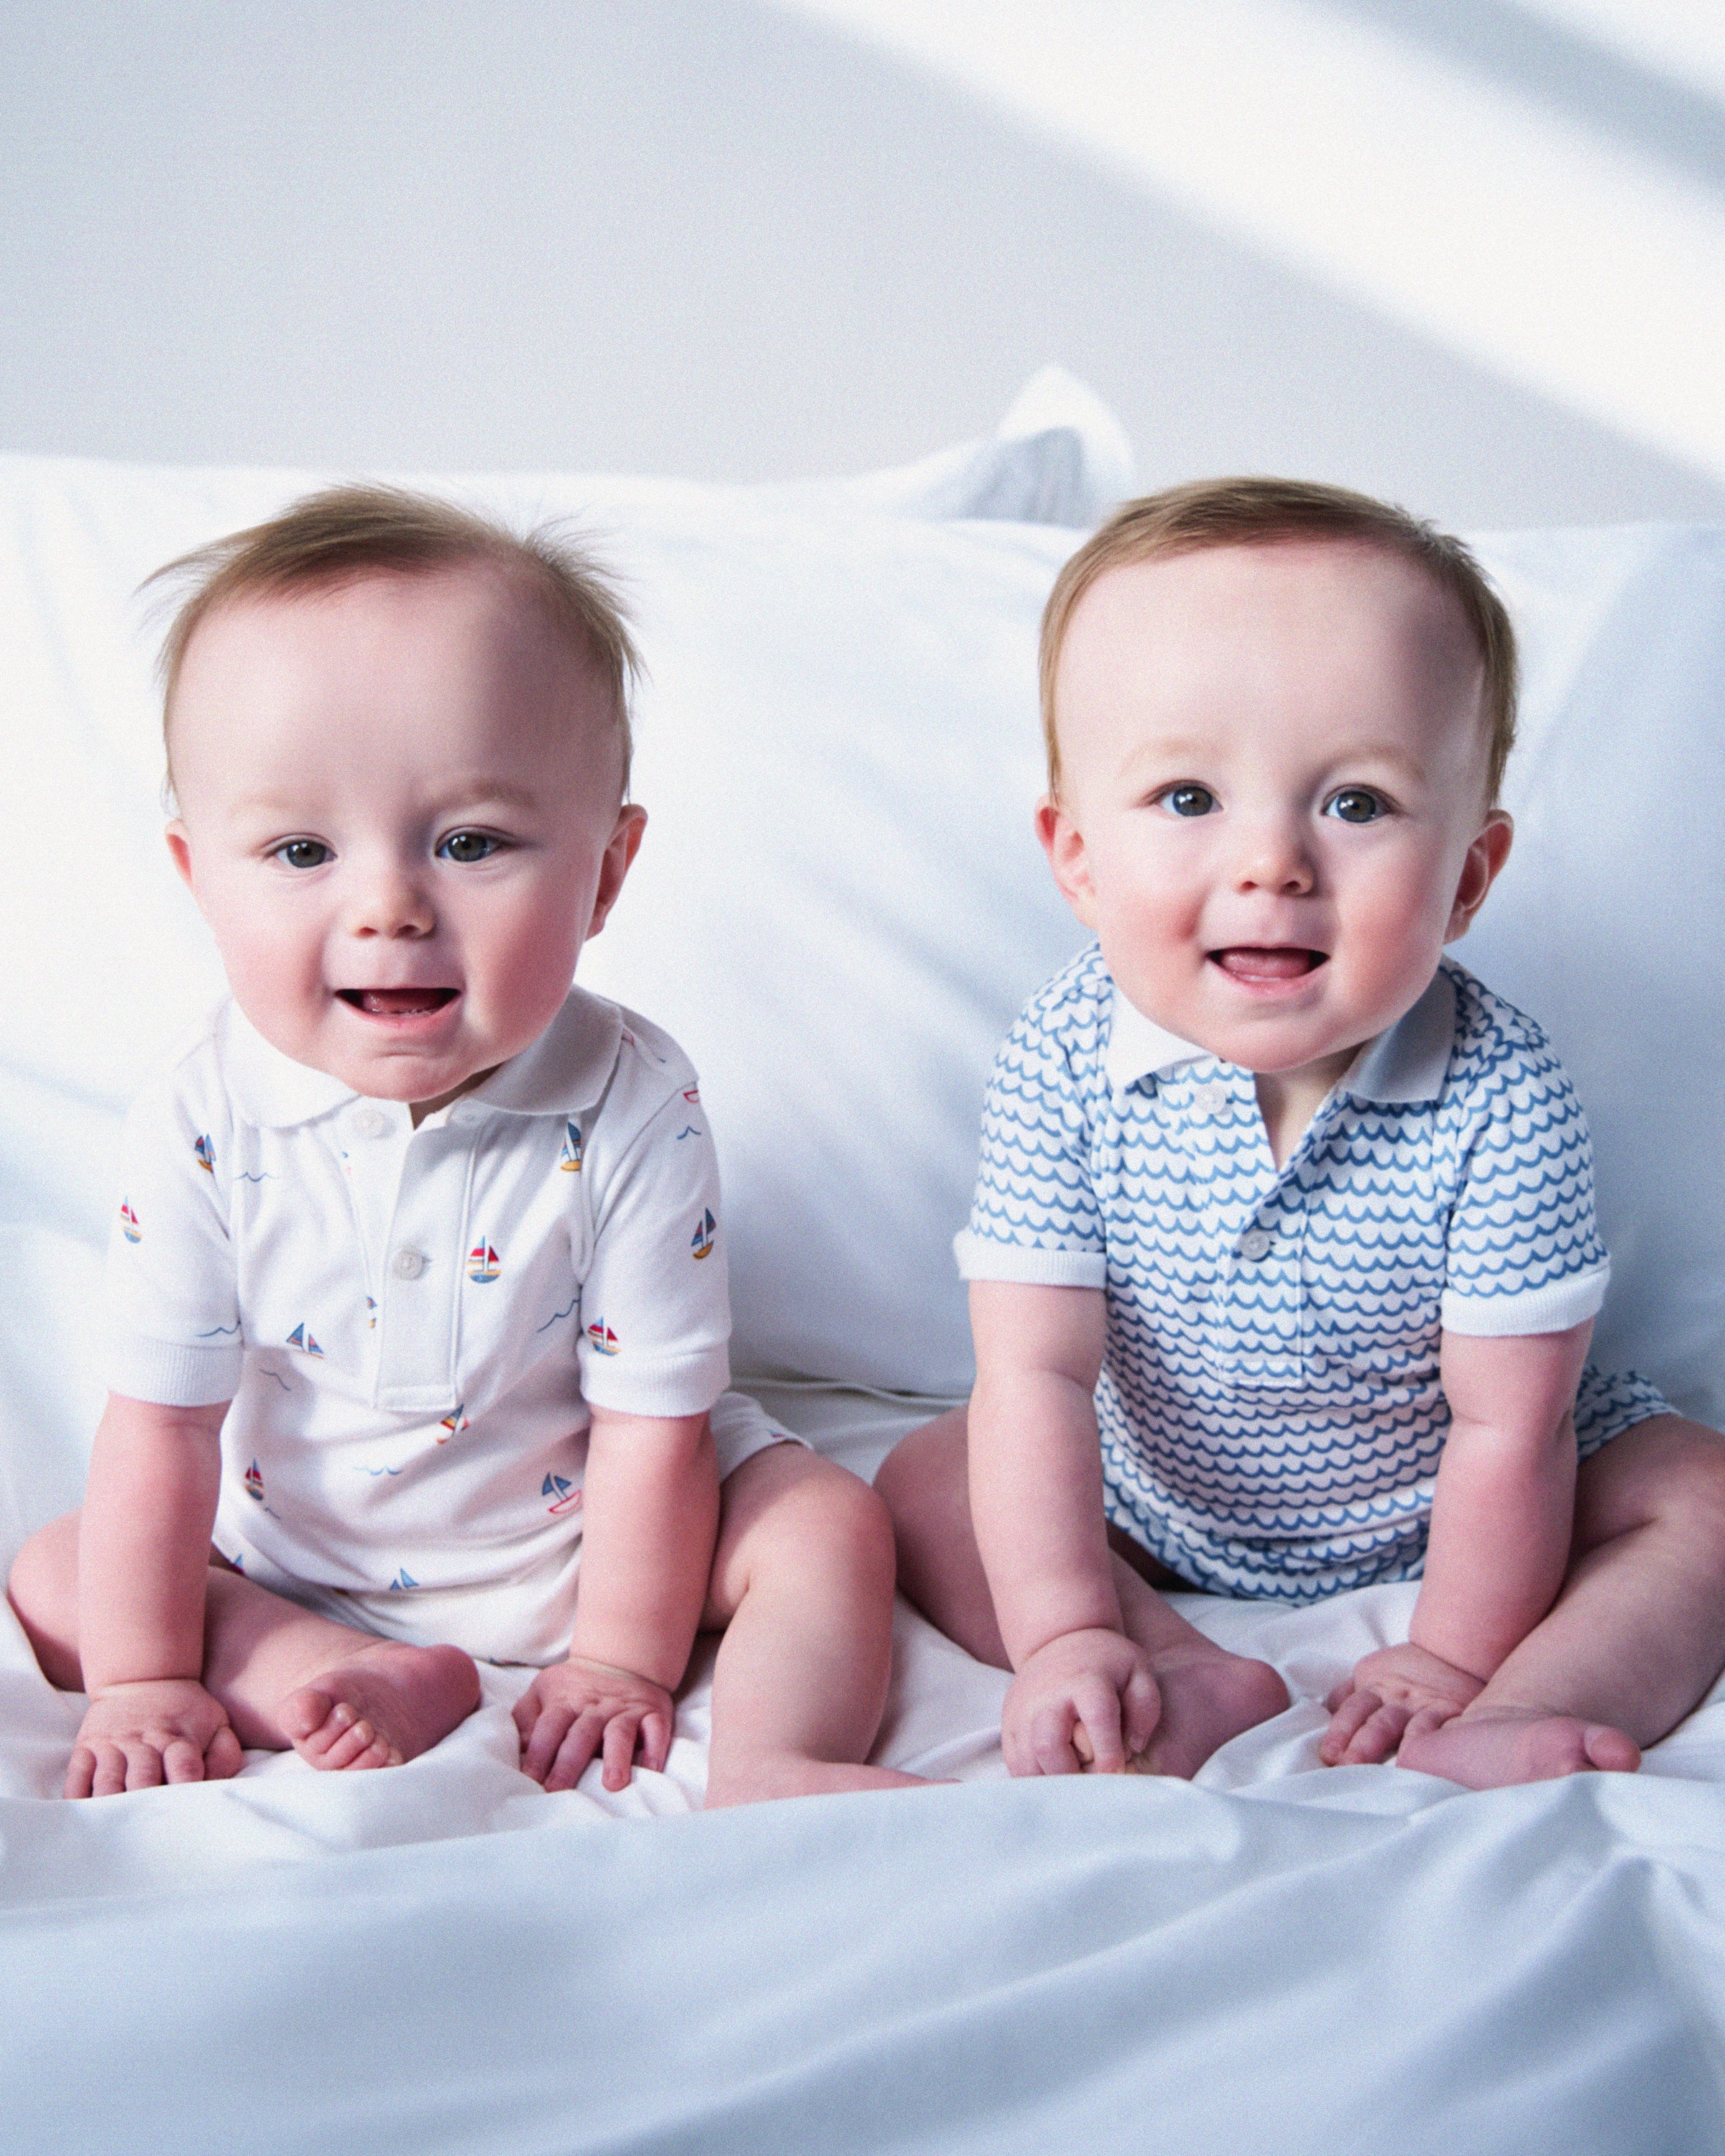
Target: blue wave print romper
{"x":1269,"y":1409}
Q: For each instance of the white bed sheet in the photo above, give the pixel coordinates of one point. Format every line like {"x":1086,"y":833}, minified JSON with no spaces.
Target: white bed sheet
{"x":1278,"y":1957}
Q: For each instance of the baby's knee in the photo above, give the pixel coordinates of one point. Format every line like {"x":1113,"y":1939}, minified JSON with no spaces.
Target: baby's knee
{"x":835,"y":1518}
{"x":43,"y":1589}
{"x":923,"y":1481}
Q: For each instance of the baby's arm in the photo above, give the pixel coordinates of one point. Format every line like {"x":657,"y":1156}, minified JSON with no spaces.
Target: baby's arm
{"x":1037,"y":1500}
{"x":649,"y":1524}
{"x":1501,"y":1519}
{"x":143,"y":1561}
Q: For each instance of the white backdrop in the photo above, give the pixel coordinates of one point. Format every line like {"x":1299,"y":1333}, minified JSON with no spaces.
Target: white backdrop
{"x":741,"y":240}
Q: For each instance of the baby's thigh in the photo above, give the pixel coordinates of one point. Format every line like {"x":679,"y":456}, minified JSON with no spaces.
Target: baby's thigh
{"x":790,"y":1518}
{"x":1665,"y":1468}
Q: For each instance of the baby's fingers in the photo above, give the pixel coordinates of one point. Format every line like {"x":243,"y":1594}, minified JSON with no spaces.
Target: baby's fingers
{"x":223,"y":1759}
{"x":1351,"y":1708}
{"x":578,"y":1750}
{"x":1099,"y":1738}
{"x":541,"y":1740}
{"x":1375,"y":1735}
{"x":622,"y":1733}
{"x":182,"y":1760}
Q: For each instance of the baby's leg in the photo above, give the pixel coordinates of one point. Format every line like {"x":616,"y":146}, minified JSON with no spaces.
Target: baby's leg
{"x":802,"y":1582}
{"x":1636,"y":1637}
{"x":1208,"y":1695}
{"x":286,"y":1677}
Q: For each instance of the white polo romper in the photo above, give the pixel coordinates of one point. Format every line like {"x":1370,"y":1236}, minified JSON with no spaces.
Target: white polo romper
{"x":412,"y":1325}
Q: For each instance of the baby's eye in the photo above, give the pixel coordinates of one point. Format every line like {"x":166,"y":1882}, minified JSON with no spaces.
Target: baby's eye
{"x":1356,"y":804}
{"x":303,"y":852}
{"x":467,"y":848}
{"x":1188,"y":800}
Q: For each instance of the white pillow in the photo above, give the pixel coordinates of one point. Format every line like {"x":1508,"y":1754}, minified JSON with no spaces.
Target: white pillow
{"x":1605,"y":923}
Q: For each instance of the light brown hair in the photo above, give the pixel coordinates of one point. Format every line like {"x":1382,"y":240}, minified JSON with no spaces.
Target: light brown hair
{"x":1256,"y":512}
{"x":341,"y":532}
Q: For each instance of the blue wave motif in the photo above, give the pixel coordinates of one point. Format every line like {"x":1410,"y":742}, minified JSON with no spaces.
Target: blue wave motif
{"x":1272,"y":1426}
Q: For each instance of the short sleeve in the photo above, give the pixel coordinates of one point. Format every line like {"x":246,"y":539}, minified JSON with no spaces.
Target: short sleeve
{"x":172,"y":1327}
{"x":1524,"y":1254}
{"x":1035,"y":1217}
{"x":655,"y":1306}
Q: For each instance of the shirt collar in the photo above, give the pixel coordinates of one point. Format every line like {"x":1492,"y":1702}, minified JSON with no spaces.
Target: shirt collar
{"x":568,"y":1068}
{"x":1137,"y":1047}
{"x":1409,"y":1061}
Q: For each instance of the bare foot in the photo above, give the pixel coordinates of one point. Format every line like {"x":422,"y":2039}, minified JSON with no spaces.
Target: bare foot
{"x":1487,"y":1747}
{"x":381,"y":1705}
{"x":1207,"y":1697}
{"x":781,"y":1774}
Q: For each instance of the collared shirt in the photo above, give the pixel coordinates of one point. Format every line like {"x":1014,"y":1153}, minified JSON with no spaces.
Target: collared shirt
{"x":411,"y":1324}
{"x":1269,"y":1406}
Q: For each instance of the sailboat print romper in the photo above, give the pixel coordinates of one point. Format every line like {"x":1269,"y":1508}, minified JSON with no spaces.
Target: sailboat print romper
{"x":412,"y":1325}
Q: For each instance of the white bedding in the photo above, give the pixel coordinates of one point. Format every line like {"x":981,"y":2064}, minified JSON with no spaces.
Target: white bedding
{"x":1278,"y":1957}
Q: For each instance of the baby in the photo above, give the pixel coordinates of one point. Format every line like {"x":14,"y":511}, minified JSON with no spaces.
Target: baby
{"x":1287,"y":1209}
{"x":417,"y":1290}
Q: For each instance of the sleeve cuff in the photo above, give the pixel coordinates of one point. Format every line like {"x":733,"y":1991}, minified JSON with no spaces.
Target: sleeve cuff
{"x":1552,"y":1308}
{"x":981,"y":1258}
{"x":173,"y":1376}
{"x":675,"y":1385}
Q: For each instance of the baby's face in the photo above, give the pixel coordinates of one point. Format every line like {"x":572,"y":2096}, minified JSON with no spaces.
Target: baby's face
{"x":1273,"y":805}
{"x":399,"y":813}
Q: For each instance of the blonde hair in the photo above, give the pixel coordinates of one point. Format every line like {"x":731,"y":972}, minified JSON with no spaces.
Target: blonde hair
{"x":342,"y":532}
{"x":1247,"y":512}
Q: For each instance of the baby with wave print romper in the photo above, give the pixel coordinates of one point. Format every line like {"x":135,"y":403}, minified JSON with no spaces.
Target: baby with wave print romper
{"x":1283,"y":1263}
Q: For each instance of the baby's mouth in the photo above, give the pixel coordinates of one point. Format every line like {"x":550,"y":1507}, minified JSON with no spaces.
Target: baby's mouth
{"x":397,"y":1003}
{"x":1254,"y":962}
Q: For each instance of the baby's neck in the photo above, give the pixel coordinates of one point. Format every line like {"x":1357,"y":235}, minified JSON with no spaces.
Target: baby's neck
{"x":1288,"y":1100}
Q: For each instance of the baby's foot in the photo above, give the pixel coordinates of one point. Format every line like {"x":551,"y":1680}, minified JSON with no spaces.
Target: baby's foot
{"x":754,"y":1780}
{"x":1208,"y":1697}
{"x":380,"y":1706}
{"x":1488,"y":1747}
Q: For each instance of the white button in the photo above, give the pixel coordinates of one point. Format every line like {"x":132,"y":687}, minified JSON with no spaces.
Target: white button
{"x":1254,"y":1243}
{"x":409,"y":1264}
{"x":370,"y":1123}
{"x":1209,"y":1100}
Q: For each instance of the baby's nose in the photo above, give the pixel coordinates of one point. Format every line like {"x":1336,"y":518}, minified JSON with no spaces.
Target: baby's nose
{"x":392,"y":902}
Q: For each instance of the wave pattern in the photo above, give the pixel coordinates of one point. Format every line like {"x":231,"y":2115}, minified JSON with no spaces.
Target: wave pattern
{"x":1269,"y":1409}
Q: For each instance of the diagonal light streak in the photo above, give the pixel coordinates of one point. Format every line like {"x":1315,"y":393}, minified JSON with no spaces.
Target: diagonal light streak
{"x":1571,"y":262}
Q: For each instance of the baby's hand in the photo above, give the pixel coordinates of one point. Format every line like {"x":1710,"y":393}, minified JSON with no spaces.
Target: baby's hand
{"x":1085,"y":1700}
{"x":1370,"y":1710}
{"x":576,"y":1710}
{"x":160,"y":1729}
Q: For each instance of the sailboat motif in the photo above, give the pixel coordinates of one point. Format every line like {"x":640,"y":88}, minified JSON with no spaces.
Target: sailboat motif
{"x":300,"y":1337}
{"x":603,"y":1339}
{"x":701,"y":1244}
{"x":129,"y":1223}
{"x":571,"y":1161}
{"x":565,"y":1496}
{"x":482,"y":1263}
{"x":205,"y":1153}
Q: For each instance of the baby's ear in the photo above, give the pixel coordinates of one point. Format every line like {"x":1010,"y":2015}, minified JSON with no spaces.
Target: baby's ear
{"x":1486,"y":856}
{"x":1063,"y":842}
{"x":180,"y":846}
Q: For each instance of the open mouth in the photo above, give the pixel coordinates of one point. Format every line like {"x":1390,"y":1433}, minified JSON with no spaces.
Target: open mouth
{"x":397,"y":1003}
{"x":1255,"y":963}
